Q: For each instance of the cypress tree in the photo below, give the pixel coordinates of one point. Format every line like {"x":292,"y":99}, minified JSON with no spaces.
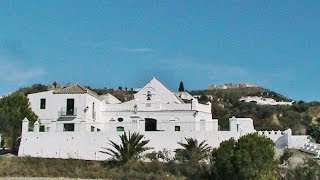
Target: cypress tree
{"x":181,"y":87}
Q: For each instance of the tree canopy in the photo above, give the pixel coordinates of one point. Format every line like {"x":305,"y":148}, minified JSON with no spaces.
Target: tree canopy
{"x":13,"y":109}
{"x":314,"y":132}
{"x":252,"y":157}
{"x":193,"y":158}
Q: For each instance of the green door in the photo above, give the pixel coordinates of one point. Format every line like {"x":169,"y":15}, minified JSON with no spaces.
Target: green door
{"x":70,"y":107}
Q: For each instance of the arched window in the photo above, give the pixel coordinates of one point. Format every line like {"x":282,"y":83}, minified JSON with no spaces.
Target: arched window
{"x":120,"y":128}
{"x":120,"y":119}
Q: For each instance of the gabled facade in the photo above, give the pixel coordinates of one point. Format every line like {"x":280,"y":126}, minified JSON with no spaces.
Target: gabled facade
{"x":65,"y":107}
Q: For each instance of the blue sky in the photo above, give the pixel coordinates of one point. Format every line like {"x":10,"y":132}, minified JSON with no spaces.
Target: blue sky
{"x":274,"y":44}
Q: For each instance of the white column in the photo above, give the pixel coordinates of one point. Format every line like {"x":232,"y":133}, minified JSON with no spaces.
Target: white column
{"x":142,"y":125}
{"x":53,"y":127}
{"x":288,"y":137}
{"x":135,"y":122}
{"x":172,"y":125}
{"x":25,"y":125}
{"x":194,"y":104}
{"x":36,"y":126}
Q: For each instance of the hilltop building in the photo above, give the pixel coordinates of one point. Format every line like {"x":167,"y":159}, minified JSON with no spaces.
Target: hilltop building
{"x":75,"y":122}
{"x":231,"y":86}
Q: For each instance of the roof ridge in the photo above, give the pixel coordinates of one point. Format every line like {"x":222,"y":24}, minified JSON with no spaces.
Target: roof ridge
{"x":82,"y":87}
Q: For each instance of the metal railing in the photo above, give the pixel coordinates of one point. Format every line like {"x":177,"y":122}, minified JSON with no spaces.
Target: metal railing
{"x":67,"y":112}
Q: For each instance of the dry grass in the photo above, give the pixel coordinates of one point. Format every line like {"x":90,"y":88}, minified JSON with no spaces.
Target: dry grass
{"x":38,"y":167}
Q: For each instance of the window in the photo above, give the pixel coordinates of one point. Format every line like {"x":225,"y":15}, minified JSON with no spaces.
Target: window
{"x":177,"y":128}
{"x":92,"y":129}
{"x":68,"y":127}
{"x":120,"y":128}
{"x":42,"y":103}
{"x":41,"y":128}
{"x":120,"y":119}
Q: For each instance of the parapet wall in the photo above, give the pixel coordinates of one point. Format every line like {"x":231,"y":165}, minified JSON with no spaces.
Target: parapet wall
{"x":84,"y":144}
{"x":78,"y":145}
{"x":280,"y":138}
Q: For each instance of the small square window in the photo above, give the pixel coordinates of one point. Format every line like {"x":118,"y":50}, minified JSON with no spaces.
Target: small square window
{"x":120,"y":128}
{"x":68,"y":127}
{"x":41,"y":128}
{"x":177,"y":128}
{"x":42,"y":103}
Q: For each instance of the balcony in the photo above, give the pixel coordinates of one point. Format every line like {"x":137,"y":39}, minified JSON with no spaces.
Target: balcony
{"x":64,"y":112}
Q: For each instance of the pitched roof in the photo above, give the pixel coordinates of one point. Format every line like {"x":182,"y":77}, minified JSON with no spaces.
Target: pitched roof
{"x":76,"y":89}
{"x":158,"y":92}
{"x":110,"y":99}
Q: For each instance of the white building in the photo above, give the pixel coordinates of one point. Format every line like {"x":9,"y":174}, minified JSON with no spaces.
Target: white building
{"x":184,"y":95}
{"x":264,"y":101}
{"x":231,"y":86}
{"x":75,"y":122}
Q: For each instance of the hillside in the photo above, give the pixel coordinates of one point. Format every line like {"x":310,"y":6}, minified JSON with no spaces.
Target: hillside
{"x":225,"y":104}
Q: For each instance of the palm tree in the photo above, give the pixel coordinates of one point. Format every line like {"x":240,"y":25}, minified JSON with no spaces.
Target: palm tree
{"x":193,"y":151}
{"x":192,"y":158}
{"x":130,"y":148}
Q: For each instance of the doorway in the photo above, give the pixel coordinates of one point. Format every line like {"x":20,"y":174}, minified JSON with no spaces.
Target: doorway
{"x":70,"y":107}
{"x":150,"y":124}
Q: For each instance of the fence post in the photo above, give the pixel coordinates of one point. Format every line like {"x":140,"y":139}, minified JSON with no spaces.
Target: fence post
{"x":25,"y":125}
{"x":36,"y":126}
{"x":194,"y":103}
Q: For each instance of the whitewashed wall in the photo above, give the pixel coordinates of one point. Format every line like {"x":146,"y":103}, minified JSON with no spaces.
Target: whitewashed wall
{"x":87,"y":145}
{"x":83,"y":144}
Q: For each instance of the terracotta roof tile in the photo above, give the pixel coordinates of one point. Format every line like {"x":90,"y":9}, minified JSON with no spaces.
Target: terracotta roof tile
{"x":76,"y":89}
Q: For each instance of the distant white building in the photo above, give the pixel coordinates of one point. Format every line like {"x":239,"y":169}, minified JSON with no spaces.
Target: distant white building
{"x":231,"y":86}
{"x":74,"y":122}
{"x":264,"y":101}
